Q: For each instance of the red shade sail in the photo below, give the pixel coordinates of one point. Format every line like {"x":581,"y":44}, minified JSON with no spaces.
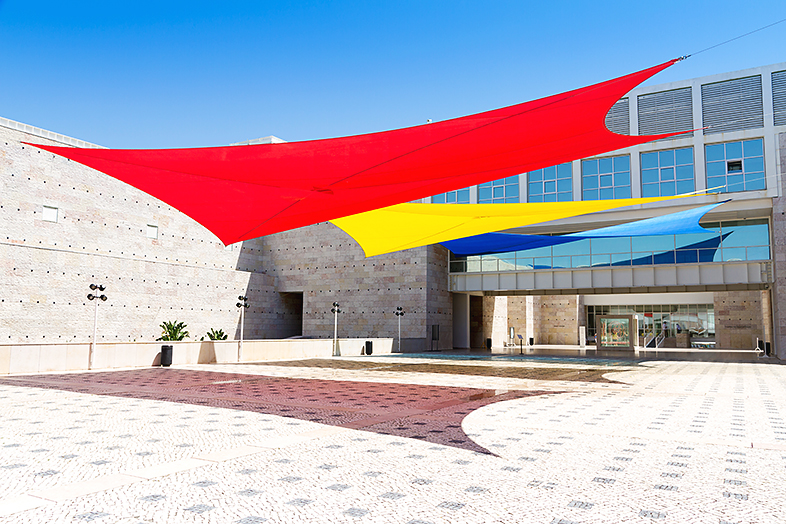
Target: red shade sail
{"x":243,"y":192}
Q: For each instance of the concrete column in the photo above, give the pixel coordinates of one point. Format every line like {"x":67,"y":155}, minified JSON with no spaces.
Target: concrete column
{"x":576,"y":168}
{"x":460,"y":320}
{"x":699,"y":166}
{"x":635,"y":153}
{"x":778,"y":235}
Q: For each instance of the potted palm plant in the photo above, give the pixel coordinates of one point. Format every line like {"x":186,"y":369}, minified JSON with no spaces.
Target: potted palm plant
{"x":216,"y":334}
{"x":171,"y":331}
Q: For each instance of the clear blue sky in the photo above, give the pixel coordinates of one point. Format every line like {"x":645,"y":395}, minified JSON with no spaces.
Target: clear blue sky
{"x":139,"y":74}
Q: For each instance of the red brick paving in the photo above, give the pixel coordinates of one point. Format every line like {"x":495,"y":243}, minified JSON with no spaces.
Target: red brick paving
{"x":429,"y":413}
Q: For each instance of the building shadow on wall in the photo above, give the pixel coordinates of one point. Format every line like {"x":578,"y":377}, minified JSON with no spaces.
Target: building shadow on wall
{"x":271,"y":314}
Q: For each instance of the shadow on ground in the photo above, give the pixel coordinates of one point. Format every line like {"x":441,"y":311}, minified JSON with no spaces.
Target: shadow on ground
{"x":429,"y":413}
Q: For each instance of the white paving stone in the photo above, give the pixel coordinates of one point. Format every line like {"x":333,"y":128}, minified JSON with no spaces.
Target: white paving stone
{"x":678,"y":442}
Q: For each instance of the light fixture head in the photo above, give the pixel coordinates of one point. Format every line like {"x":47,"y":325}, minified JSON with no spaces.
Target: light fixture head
{"x":93,"y":287}
{"x":103,"y":298}
{"x":241,"y":297}
{"x":335,"y":304}
{"x":101,"y":288}
{"x":90,"y":296}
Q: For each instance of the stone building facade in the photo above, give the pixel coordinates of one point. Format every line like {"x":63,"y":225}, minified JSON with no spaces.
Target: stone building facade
{"x":66,"y":226}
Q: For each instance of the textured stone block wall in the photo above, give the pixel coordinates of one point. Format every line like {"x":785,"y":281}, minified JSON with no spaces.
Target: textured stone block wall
{"x":549,"y":319}
{"x":520,"y":316}
{"x":185,"y":274}
{"x":327,"y":265}
{"x":476,"y":334}
{"x":559,"y":319}
{"x":438,"y":298}
{"x":739,"y":319}
{"x":495,"y":320}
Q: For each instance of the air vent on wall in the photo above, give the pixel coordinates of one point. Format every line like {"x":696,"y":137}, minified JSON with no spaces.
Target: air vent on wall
{"x":666,"y":112}
{"x":618,"y":117}
{"x":779,"y":97}
{"x":732,"y":105}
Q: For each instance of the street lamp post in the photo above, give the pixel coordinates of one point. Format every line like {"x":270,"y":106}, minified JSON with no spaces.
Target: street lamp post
{"x":96,"y":298}
{"x":335,"y":310}
{"x":243,"y":305}
{"x":399,"y":314}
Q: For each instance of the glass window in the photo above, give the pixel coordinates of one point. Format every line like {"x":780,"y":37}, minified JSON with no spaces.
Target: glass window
{"x":504,"y":190}
{"x":728,"y":241}
{"x":613,"y":182}
{"x":550,"y":184}
{"x":660,"y":169}
{"x":736,"y":166}
{"x":460,"y":196}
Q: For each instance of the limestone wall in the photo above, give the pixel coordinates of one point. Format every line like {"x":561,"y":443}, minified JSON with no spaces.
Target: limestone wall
{"x":438,"y":298}
{"x":476,"y":331}
{"x":327,"y":265}
{"x":548,"y":319}
{"x":559,"y":320}
{"x":185,"y":273}
{"x":517,"y":316}
{"x":495,"y":320}
{"x":100,"y":236}
{"x":739,"y":319}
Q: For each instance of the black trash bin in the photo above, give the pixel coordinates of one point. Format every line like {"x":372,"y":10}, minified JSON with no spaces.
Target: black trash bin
{"x":369,"y":347}
{"x":166,"y":356}
{"x":488,"y":344}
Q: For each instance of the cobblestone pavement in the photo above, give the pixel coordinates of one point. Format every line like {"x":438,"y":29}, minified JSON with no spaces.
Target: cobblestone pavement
{"x":662,"y":442}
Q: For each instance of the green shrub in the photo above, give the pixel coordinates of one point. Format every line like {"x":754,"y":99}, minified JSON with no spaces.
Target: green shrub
{"x":214,"y":334}
{"x":173,"y":331}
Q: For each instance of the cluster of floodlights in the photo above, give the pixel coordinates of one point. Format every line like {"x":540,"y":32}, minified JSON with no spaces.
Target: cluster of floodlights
{"x":96,"y":287}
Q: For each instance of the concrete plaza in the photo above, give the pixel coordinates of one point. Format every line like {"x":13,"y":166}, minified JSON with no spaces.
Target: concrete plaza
{"x":398,"y":440}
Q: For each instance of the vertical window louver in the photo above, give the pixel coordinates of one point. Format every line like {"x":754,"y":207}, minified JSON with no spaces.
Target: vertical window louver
{"x":779,"y":98}
{"x":618,"y":117}
{"x":666,"y":112}
{"x":732,"y":105}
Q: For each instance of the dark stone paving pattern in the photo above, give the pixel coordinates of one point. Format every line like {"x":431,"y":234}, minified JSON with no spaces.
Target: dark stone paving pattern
{"x":429,"y":413}
{"x":589,"y":374}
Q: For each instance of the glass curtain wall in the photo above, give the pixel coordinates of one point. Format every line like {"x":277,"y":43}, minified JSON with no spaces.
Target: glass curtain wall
{"x":697,"y":320}
{"x":502,"y":191}
{"x":730,"y":241}
{"x":460,"y":196}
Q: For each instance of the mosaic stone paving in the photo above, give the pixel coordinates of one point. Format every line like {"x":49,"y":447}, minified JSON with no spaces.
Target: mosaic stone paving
{"x":489,"y":370}
{"x":429,"y":413}
{"x":673,"y":442}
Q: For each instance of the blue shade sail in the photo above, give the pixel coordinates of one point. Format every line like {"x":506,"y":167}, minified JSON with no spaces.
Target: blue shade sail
{"x":682,"y":222}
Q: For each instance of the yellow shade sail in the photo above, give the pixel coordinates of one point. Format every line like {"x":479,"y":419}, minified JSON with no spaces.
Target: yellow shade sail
{"x":405,"y":226}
